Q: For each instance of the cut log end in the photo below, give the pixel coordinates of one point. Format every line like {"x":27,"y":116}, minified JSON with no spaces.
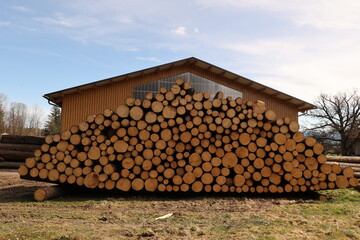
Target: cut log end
{"x":91,"y":180}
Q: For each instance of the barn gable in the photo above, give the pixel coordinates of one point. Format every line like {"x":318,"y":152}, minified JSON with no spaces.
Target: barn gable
{"x":92,"y":98}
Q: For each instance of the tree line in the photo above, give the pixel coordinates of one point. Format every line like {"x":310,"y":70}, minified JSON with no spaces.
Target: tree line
{"x":19,"y":119}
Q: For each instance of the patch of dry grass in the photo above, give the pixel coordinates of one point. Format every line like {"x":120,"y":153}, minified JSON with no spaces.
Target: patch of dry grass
{"x":195,"y":217}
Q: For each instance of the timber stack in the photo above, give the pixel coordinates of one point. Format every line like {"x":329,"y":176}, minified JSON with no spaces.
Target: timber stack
{"x":14,"y":149}
{"x":347,"y":161}
{"x":179,"y":140}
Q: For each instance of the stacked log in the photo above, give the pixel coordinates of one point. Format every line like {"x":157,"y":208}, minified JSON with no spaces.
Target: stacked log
{"x":179,"y":140}
{"x":14,"y":149}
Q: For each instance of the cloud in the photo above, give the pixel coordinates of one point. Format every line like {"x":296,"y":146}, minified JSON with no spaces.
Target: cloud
{"x":123,"y":19}
{"x":149,"y":59}
{"x":312,"y":47}
{"x":179,"y":31}
{"x":22,"y":9}
{"x":320,"y":14}
{"x":265,"y":46}
{"x":60,"y":19}
{"x":5,"y":23}
{"x":304,"y":66}
{"x":341,"y":15}
{"x":124,"y":25}
{"x":16,"y":26}
{"x":109,"y":30}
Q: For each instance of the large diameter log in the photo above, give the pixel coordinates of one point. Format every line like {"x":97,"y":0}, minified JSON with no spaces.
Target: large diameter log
{"x":270,"y":115}
{"x":342,"y":182}
{"x":17,"y":139}
{"x":136,"y":113}
{"x":169,"y":112}
{"x":91,"y":180}
{"x":229,"y":160}
{"x":123,"y":111}
{"x":121,"y":146}
{"x":47,"y":193}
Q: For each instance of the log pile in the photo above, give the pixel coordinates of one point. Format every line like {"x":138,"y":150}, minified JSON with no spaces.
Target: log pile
{"x":14,"y":149}
{"x":182,"y":140}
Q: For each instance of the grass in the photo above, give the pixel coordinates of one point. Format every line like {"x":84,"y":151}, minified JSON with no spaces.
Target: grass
{"x":208,"y":217}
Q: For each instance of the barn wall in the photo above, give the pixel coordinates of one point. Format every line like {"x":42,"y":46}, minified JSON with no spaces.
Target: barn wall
{"x":77,"y":106}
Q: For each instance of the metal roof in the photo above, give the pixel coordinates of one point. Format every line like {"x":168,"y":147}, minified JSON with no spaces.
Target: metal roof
{"x":56,"y":97}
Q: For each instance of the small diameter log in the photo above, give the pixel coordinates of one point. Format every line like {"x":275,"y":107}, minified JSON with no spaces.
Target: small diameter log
{"x":47,"y":193}
{"x":23,"y":171}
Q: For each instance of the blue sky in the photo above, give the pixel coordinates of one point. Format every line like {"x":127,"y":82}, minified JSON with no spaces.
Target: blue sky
{"x":300,"y":47}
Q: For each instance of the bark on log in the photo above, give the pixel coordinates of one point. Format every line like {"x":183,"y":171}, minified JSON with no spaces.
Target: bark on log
{"x":19,"y":147}
{"x":17,"y":139}
{"x":12,"y":155}
{"x":10,"y":165}
{"x":344,"y":159}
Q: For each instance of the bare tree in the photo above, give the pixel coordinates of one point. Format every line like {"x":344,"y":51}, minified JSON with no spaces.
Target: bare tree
{"x":16,"y":118}
{"x":3,"y":99}
{"x":33,"y":121}
{"x":338,"y":119}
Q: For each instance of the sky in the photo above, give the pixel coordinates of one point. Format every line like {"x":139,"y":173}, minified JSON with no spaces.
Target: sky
{"x":300,"y":47}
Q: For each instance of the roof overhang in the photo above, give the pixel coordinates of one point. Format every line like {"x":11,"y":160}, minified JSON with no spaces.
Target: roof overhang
{"x":56,"y":97}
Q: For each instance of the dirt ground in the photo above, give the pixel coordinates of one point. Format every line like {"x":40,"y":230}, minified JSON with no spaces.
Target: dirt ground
{"x":101,"y":215}
{"x":12,"y":187}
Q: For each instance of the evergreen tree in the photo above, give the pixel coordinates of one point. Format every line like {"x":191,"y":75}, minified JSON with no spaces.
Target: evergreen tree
{"x":53,"y":124}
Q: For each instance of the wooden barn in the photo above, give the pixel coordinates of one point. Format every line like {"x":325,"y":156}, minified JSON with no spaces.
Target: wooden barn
{"x":92,"y":98}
